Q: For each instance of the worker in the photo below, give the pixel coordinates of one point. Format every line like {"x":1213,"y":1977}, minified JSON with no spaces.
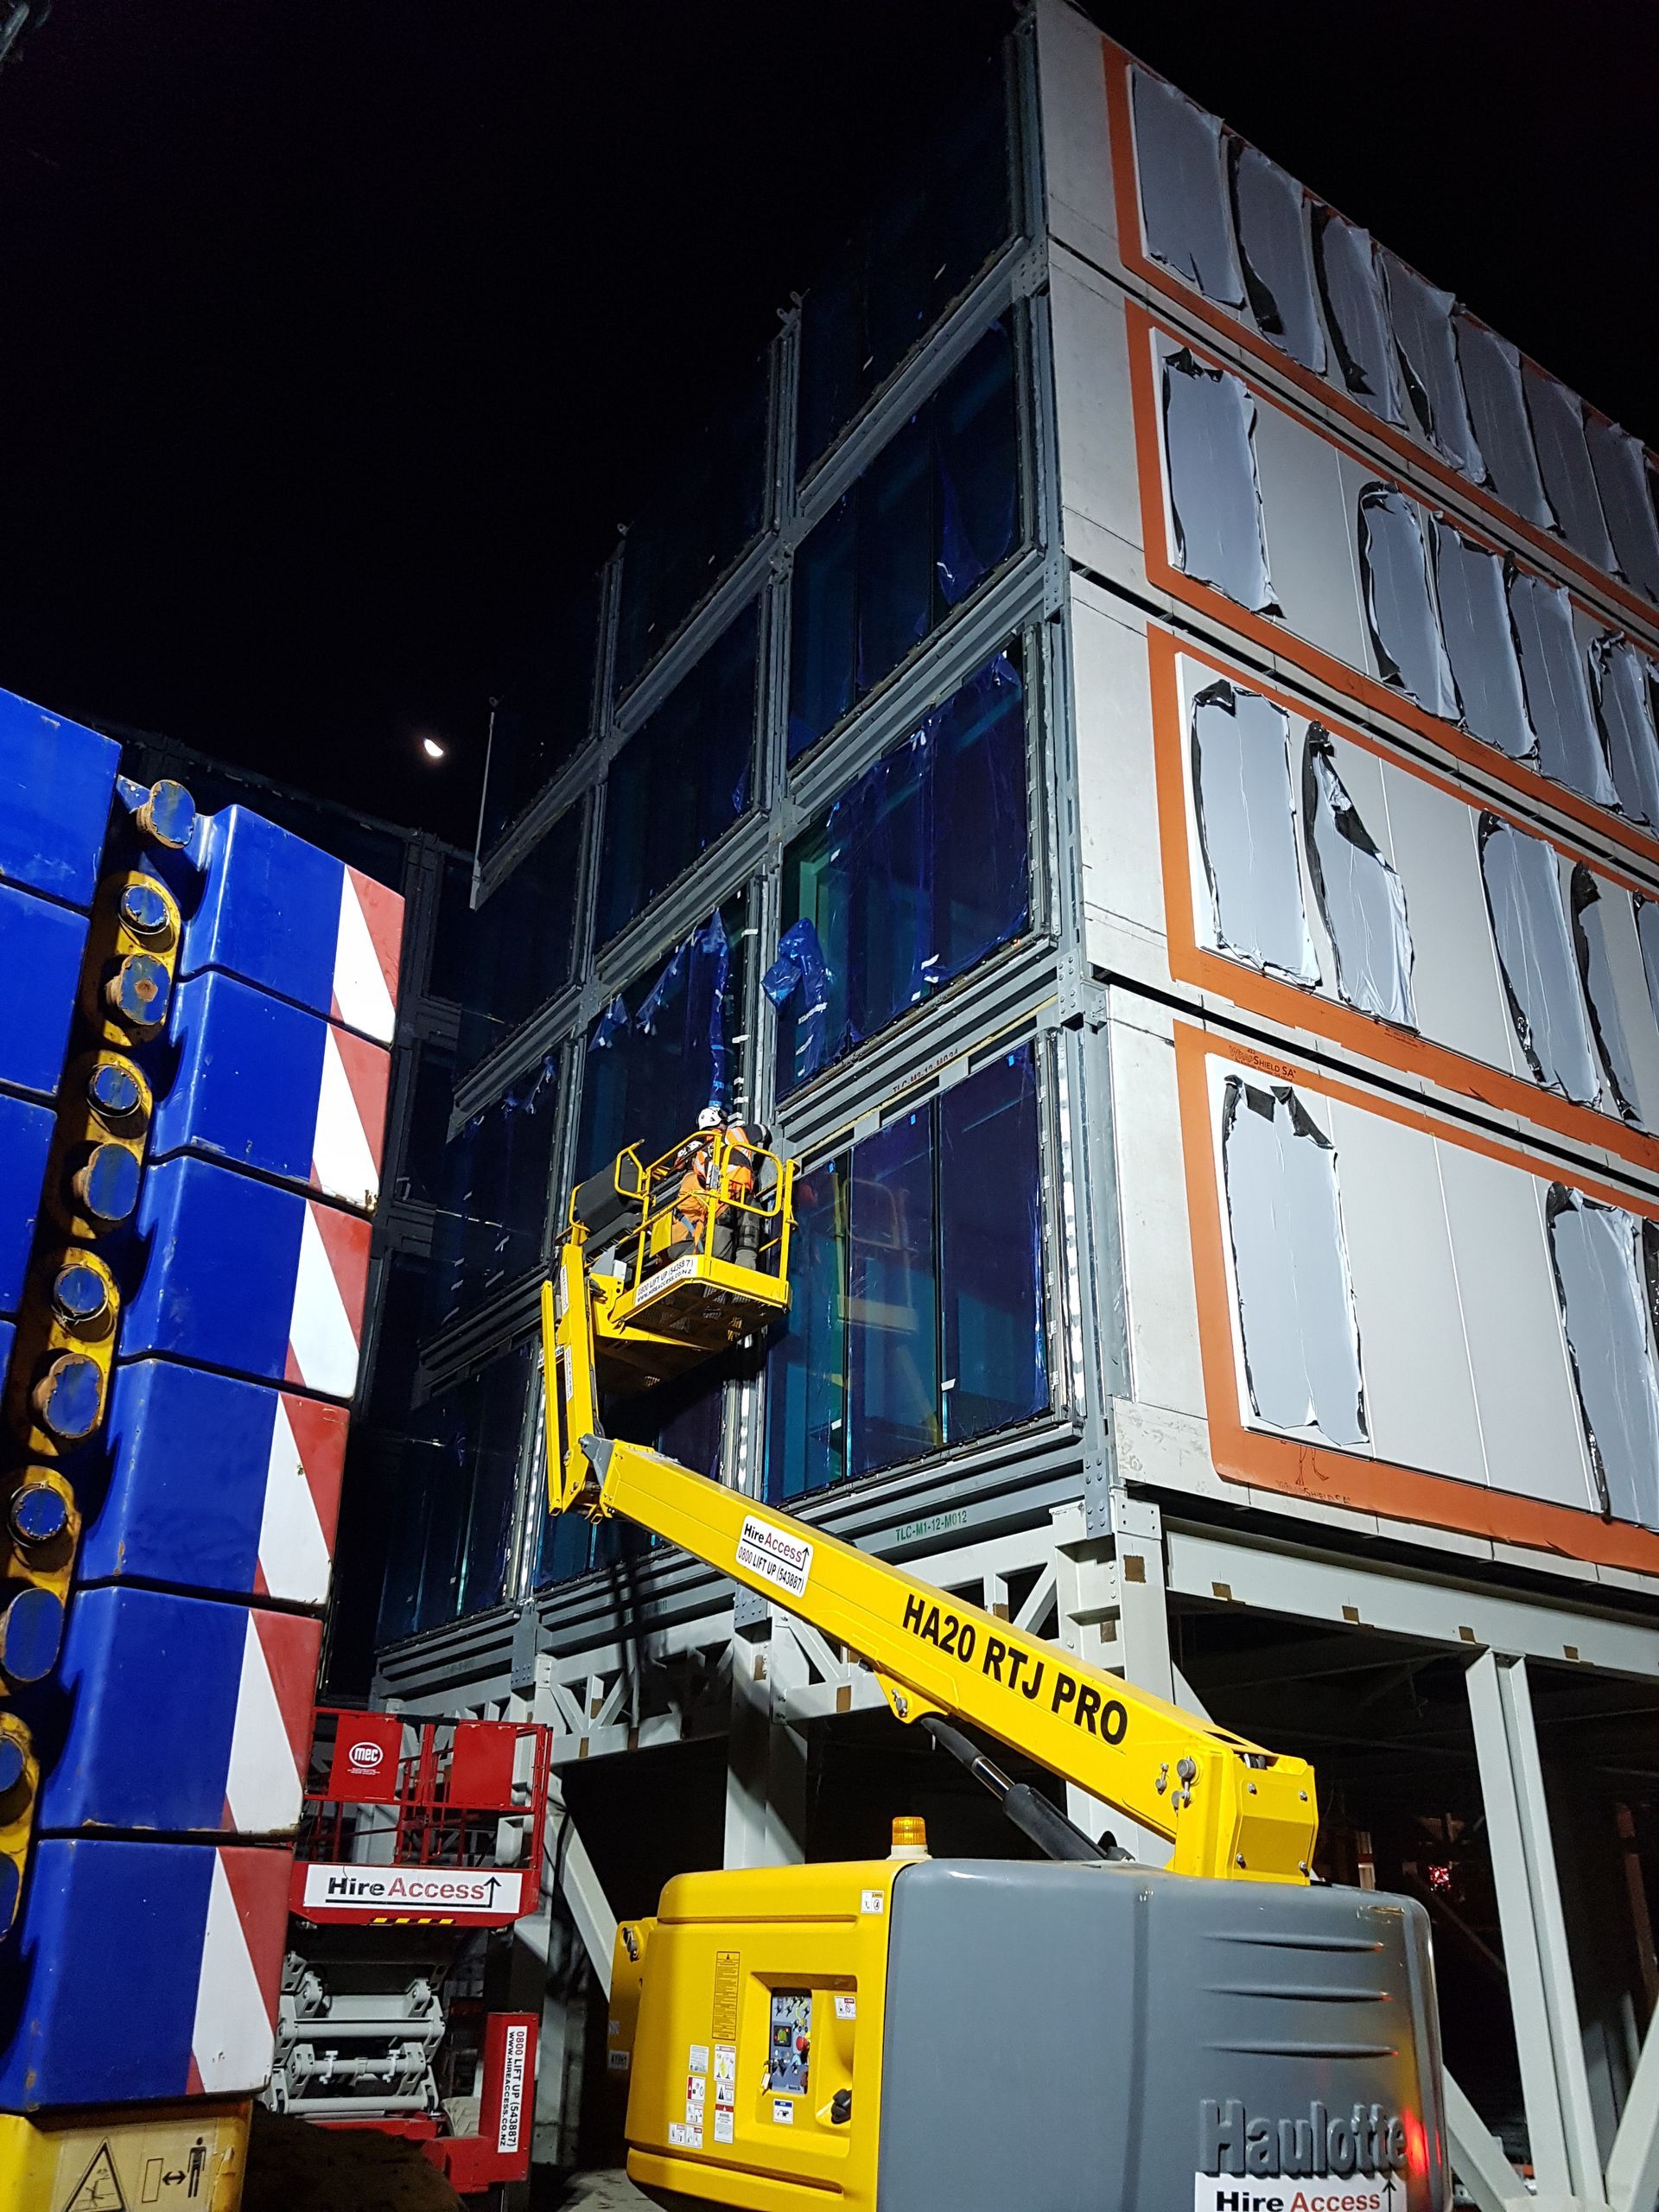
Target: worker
{"x":749,"y":1168}
{"x":695,"y":1203}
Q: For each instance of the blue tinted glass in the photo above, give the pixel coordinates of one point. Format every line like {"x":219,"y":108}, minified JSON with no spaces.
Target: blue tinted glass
{"x":806,"y":1371}
{"x":566,"y":1548}
{"x":491,"y":1224}
{"x":976,"y":466}
{"x":543,"y":718}
{"x":918,"y":870}
{"x":824,"y":619}
{"x":892,"y":1303}
{"x":522,"y":941}
{"x":990,"y":1249}
{"x":895,"y":551}
{"x":449,"y":973}
{"x":680,"y":1419}
{"x":935,"y":512}
{"x":706,"y":514}
{"x":681,"y":780}
{"x":400,"y":1589}
{"x":930,"y":241}
{"x":652,"y":1062}
{"x":493,"y":1443}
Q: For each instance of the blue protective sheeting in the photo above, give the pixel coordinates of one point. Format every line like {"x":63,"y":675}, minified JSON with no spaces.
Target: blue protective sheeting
{"x":250,"y":1067}
{"x":41,"y":949}
{"x":25,"y":1140}
{"x":55,"y":783}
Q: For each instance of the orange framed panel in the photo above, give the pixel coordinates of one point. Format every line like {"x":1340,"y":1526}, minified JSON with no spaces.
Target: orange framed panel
{"x":1277,"y":638}
{"x":1323,"y":1472}
{"x":1254,"y":993}
{"x":1126,"y":193}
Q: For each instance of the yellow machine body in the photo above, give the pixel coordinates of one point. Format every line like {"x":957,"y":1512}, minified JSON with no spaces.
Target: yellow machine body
{"x":191,"y":2154}
{"x":701,"y":2071}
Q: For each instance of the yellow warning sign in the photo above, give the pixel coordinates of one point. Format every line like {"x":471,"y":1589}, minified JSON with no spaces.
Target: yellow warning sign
{"x":726,"y":1978}
{"x":184,"y":2158}
{"x":97,"y":2189}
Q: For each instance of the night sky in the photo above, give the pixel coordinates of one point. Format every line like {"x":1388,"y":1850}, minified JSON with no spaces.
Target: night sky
{"x":340,"y":334}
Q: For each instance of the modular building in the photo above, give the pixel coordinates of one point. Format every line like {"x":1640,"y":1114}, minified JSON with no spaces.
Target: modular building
{"x":1132,"y":746}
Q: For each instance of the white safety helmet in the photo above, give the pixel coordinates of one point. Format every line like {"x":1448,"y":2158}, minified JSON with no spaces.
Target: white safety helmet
{"x":710,"y":1118}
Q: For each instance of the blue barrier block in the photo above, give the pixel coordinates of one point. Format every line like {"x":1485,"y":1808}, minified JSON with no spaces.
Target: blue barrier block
{"x":25,"y":1140}
{"x":40,"y":950}
{"x":55,"y":782}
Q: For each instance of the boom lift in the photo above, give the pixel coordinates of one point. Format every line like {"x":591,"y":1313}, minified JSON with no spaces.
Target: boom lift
{"x":912,"y":2035}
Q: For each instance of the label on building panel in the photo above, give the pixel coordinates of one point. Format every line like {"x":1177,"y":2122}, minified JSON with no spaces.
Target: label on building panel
{"x":846,"y":2008}
{"x":513,"y":2089}
{"x":784,"y":1561}
{"x":676,"y":1272}
{"x":453,"y":1893}
{"x":782,"y":2111}
{"x":617,"y":2060}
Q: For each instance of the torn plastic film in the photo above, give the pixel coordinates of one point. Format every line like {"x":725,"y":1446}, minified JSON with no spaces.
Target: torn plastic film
{"x":1215,"y":500}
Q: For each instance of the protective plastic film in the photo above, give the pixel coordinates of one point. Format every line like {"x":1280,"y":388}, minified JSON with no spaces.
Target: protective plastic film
{"x":1623,"y":695}
{"x":1626,"y":488}
{"x":1558,"y":692}
{"x":1557,"y":418}
{"x":1247,"y":831}
{"x":1480,"y":643}
{"x":1213,"y":494}
{"x":1540,"y":980}
{"x":1290,"y":1264}
{"x":1497,"y":407}
{"x":1591,"y":921}
{"x":1601,"y":1283}
{"x":1428,"y":360}
{"x":1355,"y":312}
{"x":1275,"y":242}
{"x":1183,"y":199}
{"x":1399,"y":600}
{"x":1361,"y":899}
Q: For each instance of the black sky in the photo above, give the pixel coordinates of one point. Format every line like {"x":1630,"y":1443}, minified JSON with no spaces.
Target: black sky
{"x":337,"y":335}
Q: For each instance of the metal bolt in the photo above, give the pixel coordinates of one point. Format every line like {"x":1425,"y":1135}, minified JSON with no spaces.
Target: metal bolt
{"x":1239,"y":1860}
{"x":1251,"y":1788}
{"x":1302,"y":1794}
{"x":900,"y":1704}
{"x":1162,"y":1783}
{"x":1187,"y":1770}
{"x":1302,"y":1866}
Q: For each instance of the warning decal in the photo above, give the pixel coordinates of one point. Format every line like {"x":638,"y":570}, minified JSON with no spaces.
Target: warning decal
{"x":98,"y":2191}
{"x":725,"y":1969}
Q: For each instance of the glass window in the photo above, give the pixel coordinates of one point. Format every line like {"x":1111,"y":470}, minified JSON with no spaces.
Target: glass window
{"x":1429,"y":364}
{"x":1557,"y":416}
{"x":806,"y":1371}
{"x":917,"y":1269}
{"x":1214,"y":500}
{"x":1290,"y":1264}
{"x":449,"y":974}
{"x":523,"y":941}
{"x":1623,"y":695}
{"x":1553,"y":669}
{"x":1361,"y":899}
{"x":1480,"y":643}
{"x":1523,"y":897}
{"x":664,"y":1050}
{"x":903,"y":271}
{"x":542,"y":719}
{"x":1275,"y":243}
{"x":1492,"y":381}
{"x":454,"y":1545}
{"x":917,"y":871}
{"x":1602,"y":1285}
{"x":1399,"y":605}
{"x":682,"y":779}
{"x":425,"y":1158}
{"x":932,"y":515}
{"x":1354,"y":311}
{"x":1625,"y":482}
{"x":1183,"y":199}
{"x":707,"y":513}
{"x":492,"y":1223}
{"x":1247,"y":832}
{"x":1597,"y":931}
{"x":892,"y":1310}
{"x":991,"y":1250}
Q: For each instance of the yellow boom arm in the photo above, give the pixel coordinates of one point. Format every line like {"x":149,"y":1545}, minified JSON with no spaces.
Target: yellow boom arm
{"x":1229,"y":1809}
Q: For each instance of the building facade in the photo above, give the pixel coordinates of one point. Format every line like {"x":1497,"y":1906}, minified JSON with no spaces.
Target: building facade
{"x":1133,"y":746}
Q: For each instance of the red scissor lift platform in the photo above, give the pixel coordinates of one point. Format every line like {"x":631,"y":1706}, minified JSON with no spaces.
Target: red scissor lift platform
{"x":413,"y":1823}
